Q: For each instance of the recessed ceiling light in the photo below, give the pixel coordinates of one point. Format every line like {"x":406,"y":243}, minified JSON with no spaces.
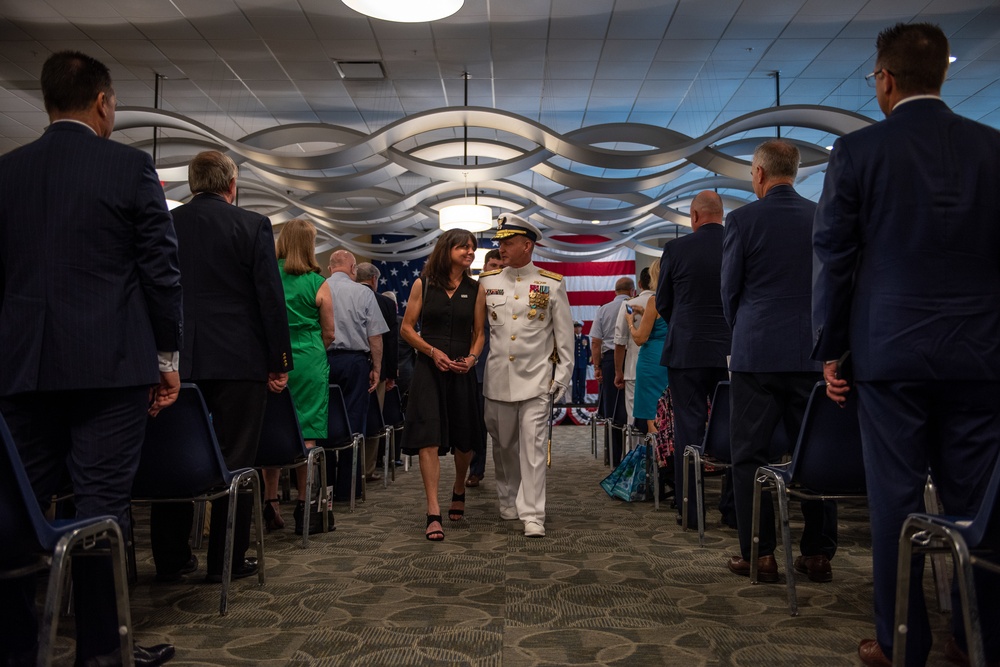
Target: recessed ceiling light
{"x":368,"y":70}
{"x":406,"y":11}
{"x":595,"y":222}
{"x":829,"y":148}
{"x":952,"y":59}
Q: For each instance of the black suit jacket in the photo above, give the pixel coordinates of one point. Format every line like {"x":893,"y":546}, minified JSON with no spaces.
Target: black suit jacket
{"x":767,"y":283}
{"x":234,"y":304}
{"x":688,"y":298}
{"x":390,"y":339}
{"x":907,"y":245}
{"x":89,"y":280}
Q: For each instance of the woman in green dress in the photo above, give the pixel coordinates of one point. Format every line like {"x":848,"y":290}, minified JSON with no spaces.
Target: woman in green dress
{"x":310,"y":323}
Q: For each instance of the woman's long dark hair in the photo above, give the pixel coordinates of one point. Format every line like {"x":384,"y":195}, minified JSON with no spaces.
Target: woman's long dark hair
{"x":437,"y":270}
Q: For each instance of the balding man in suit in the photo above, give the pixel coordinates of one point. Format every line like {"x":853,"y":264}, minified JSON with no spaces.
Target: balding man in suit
{"x":688,"y":298}
{"x":907,"y":278}
{"x":89,"y":294}
{"x":767,"y":296}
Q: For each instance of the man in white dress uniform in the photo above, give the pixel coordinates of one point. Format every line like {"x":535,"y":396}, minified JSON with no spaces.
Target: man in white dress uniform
{"x":530,"y":323}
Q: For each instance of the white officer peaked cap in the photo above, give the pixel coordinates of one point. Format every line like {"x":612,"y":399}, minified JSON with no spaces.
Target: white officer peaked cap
{"x":509,"y":225}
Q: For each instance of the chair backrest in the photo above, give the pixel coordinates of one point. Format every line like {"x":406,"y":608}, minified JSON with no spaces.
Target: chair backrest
{"x":281,"y":440}
{"x":827,"y":457}
{"x":19,"y":511}
{"x":339,"y":426}
{"x":180,"y":456}
{"x":717,"y":441}
{"x":392,"y":408}
{"x":984,"y":533}
{"x":374,"y":425}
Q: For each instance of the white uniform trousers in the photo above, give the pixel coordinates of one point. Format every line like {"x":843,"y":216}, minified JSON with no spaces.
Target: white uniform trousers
{"x":629,"y":400}
{"x":520,"y":434}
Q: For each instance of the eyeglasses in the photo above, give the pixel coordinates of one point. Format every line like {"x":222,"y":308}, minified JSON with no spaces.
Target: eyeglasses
{"x":870,"y":78}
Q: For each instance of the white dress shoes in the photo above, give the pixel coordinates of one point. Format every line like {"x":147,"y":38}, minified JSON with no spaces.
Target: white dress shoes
{"x":533,"y":529}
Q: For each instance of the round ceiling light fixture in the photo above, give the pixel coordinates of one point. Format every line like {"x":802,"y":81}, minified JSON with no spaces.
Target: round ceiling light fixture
{"x":473,"y":218}
{"x":406,"y":11}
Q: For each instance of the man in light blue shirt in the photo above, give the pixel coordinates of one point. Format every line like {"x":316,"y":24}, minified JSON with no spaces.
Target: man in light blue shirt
{"x":355,"y":353}
{"x":602,"y":338}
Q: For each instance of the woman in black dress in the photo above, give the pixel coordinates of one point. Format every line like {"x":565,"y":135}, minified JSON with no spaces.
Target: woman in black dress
{"x":443,"y":414}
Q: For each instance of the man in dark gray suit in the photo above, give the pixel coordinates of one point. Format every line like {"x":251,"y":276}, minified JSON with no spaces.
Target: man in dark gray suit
{"x":688,"y":298}
{"x":767,"y":296}
{"x":907,"y":266}
{"x":89,"y":295}
{"x":237,"y":348}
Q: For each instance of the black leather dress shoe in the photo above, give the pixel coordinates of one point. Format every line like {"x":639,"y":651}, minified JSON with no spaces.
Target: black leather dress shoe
{"x":247,"y":568}
{"x":145,"y":656}
{"x":188,"y":568}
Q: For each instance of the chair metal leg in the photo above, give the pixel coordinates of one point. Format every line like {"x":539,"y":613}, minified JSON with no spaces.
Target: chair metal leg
{"x":651,"y":444}
{"x":227,"y":562}
{"x":258,"y":520}
{"x":86,"y":539}
{"x":939,"y":564}
{"x":921,"y":537}
{"x":758,"y":491}
{"x":357,"y":443}
{"x":786,"y":542}
{"x":387,"y":434}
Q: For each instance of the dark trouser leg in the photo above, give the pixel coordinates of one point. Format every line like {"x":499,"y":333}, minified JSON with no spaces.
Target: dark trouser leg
{"x":169,"y":530}
{"x":690,"y":390}
{"x":237,"y":409}
{"x":98,"y":435}
{"x":579,"y":384}
{"x":755,"y":411}
{"x":906,"y":427}
{"x":350,"y":372}
{"x":609,"y":398}
{"x":478,"y":465}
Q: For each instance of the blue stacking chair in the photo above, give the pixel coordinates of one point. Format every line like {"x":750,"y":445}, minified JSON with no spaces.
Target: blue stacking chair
{"x":392,"y":414}
{"x":24,"y":529}
{"x":282,"y":446}
{"x":376,"y":427}
{"x":181,"y":462}
{"x":714,"y":449}
{"x":827,"y":464}
{"x":340,"y":436}
{"x":968,"y":539}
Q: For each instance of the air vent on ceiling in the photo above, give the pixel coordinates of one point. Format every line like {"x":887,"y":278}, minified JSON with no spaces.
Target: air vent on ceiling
{"x":360,"y":70}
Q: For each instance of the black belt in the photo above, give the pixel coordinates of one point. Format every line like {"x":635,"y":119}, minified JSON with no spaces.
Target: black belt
{"x":606,"y":353}
{"x":336,"y":352}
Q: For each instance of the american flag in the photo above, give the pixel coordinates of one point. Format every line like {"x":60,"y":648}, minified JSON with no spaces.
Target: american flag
{"x":398,"y":276}
{"x":590,"y":285}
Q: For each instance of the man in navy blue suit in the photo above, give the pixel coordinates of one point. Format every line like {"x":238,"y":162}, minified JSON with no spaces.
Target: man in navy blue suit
{"x":237,"y":348}
{"x":90,"y":325}
{"x":767,"y":295}
{"x":698,"y":339}
{"x":907,"y":278}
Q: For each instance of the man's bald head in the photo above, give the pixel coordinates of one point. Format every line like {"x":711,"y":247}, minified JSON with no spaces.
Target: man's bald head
{"x":706,"y":208}
{"x":624,"y":286}
{"x":342,"y":261}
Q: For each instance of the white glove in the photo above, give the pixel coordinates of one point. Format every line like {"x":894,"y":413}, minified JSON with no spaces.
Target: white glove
{"x":557,"y":390}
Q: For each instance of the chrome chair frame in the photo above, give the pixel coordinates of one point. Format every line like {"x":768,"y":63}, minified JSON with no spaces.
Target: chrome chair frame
{"x":350,"y":440}
{"x":242,"y":480}
{"x":60,"y":542}
{"x":313,"y":458}
{"x":783,"y":478}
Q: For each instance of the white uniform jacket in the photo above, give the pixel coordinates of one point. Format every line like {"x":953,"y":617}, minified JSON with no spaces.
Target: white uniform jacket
{"x":528,"y":315}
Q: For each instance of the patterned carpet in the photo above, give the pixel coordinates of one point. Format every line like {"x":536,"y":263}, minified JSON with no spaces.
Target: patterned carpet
{"x":612,"y":583}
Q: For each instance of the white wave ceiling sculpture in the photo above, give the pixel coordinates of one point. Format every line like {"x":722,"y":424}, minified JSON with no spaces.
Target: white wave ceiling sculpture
{"x":349,"y":183}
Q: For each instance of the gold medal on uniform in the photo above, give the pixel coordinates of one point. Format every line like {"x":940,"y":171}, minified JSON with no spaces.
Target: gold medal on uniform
{"x":532,"y":314}
{"x":493,"y":314}
{"x":538,"y":296}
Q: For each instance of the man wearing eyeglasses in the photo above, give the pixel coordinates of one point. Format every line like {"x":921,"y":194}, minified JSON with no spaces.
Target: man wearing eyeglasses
{"x":907,"y":278}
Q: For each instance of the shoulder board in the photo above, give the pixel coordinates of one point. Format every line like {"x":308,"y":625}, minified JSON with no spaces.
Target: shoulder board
{"x":490,"y":273}
{"x":550,"y":274}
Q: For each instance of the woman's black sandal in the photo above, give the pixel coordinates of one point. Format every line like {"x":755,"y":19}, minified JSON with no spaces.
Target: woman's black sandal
{"x":434,"y":535}
{"x":456,"y":514}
